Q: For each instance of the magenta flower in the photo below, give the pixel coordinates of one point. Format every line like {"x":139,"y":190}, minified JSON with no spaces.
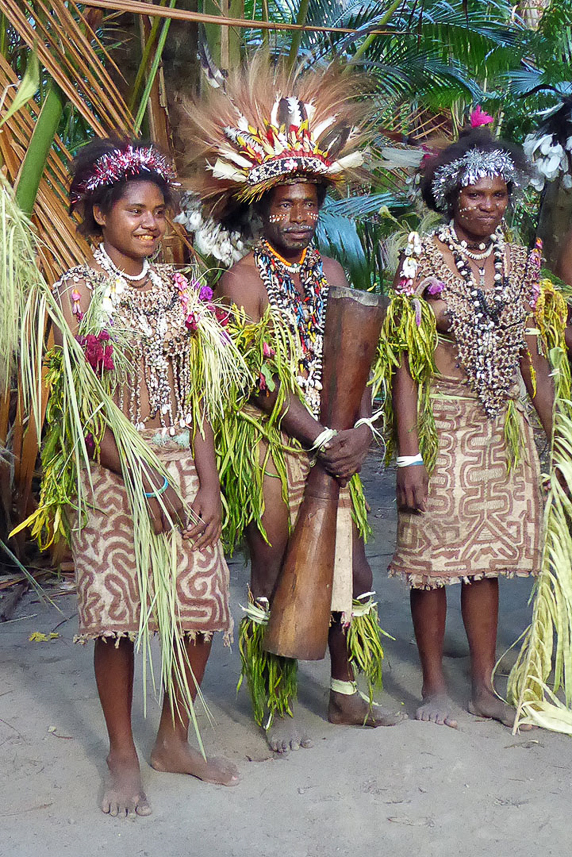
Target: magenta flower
{"x":89,"y":443}
{"x":98,"y":350}
{"x":432,"y":285}
{"x":478,"y":117}
{"x":267,"y":351}
{"x":222,"y":316}
{"x":405,"y":286}
{"x":192,"y":322}
{"x":206,"y":294}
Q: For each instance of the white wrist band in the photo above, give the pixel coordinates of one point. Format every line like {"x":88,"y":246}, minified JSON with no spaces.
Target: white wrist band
{"x":369,"y":422}
{"x":322,"y":439}
{"x":408,"y":460}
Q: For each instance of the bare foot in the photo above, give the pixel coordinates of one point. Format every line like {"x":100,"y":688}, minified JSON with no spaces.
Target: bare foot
{"x":123,"y":794}
{"x":354,"y":710}
{"x":286,"y":734}
{"x":178,"y":757}
{"x":437,"y":708}
{"x":487,"y":704}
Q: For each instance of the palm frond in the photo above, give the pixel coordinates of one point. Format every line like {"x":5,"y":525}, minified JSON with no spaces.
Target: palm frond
{"x":57,"y":30}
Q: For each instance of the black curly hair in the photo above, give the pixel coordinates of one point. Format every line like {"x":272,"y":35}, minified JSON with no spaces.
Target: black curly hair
{"x":105,"y":197}
{"x":469,"y":138}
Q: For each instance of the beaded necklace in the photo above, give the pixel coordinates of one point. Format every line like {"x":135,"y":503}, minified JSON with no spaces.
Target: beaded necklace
{"x":487,"y":325}
{"x":304,"y":313}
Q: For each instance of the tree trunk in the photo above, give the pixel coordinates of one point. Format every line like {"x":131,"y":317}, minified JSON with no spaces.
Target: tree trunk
{"x":181,"y":72}
{"x":555,"y":221}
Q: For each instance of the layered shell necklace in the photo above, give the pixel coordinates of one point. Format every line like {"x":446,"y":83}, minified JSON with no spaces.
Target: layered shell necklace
{"x":488,"y":325}
{"x":304,"y":313}
{"x":160,"y":346}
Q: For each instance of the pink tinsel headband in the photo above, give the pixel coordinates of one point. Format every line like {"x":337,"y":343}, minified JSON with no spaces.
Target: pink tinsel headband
{"x":120,"y":164}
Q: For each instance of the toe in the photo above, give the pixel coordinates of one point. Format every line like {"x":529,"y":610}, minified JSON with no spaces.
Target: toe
{"x":143,"y":808}
{"x":306,"y":743}
{"x":295,"y":744}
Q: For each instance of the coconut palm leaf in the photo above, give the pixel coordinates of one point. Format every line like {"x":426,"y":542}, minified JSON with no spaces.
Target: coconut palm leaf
{"x":363,"y":207}
{"x":338,"y":237}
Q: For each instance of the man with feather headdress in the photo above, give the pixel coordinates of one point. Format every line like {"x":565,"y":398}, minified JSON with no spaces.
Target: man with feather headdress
{"x":276,"y":143}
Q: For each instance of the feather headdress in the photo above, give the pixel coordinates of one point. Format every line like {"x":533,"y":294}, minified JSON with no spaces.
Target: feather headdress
{"x":266,"y":127}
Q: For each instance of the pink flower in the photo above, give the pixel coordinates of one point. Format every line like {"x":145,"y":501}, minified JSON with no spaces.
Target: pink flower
{"x":192,"y":322}
{"x":261,"y":382}
{"x":267,"y":351}
{"x":478,"y":117}
{"x":206,"y":294}
{"x":180,"y":281}
{"x":98,"y":354}
{"x":432,"y":285}
{"x":222,"y":316}
{"x":405,"y":286}
{"x":534,"y":294}
{"x":89,"y":443}
{"x":76,"y":306}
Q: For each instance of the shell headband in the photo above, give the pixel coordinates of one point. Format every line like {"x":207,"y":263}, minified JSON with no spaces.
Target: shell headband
{"x":121,"y":164}
{"x":469,"y":169}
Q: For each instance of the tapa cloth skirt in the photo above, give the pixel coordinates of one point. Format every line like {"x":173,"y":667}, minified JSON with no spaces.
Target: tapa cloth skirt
{"x":104,"y":555}
{"x":481,"y":521}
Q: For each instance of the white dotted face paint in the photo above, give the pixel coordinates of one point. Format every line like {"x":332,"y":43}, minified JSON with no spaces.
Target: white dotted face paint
{"x":276,"y":218}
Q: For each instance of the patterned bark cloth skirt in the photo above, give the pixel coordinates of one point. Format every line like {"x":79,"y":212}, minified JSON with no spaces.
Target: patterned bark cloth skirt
{"x":104,"y":555}
{"x":481,"y":521}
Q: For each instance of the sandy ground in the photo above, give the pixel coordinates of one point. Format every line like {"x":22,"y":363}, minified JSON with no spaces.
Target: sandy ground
{"x":412,"y":789}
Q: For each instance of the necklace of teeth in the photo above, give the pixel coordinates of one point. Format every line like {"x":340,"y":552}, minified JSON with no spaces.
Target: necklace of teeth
{"x":103,"y":259}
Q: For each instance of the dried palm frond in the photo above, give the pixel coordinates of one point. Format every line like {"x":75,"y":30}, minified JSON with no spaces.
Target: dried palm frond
{"x":547,"y":643}
{"x":63,"y":40}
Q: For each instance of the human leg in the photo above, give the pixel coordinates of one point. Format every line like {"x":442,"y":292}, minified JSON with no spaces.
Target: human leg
{"x":429,"y":611}
{"x":274,"y":712}
{"x":172,"y":753}
{"x":346,"y":705}
{"x":114,"y":664}
{"x":479,"y":606}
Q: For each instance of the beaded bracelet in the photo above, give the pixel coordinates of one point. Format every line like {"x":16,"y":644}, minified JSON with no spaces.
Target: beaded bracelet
{"x":159,"y":491}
